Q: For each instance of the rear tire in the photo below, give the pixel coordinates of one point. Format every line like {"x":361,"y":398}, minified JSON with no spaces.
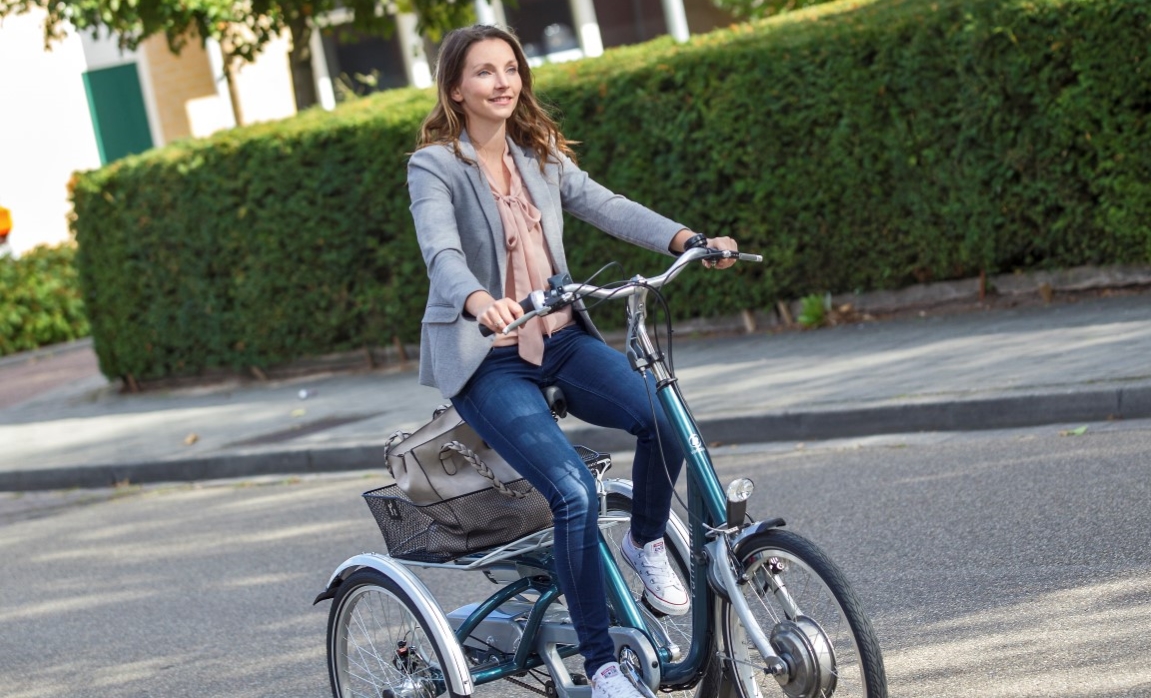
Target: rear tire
{"x":379,"y":644}
{"x":829,"y":645}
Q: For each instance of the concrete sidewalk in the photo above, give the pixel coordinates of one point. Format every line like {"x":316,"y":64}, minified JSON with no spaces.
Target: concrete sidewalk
{"x":1063,"y":363}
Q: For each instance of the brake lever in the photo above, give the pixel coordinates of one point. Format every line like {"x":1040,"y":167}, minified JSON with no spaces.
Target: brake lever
{"x":519,"y":322}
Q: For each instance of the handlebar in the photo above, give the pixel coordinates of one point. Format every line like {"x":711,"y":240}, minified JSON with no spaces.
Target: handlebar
{"x":528,"y":305}
{"x":564,"y":292}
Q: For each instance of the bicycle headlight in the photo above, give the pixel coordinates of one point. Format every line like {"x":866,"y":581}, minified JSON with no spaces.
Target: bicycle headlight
{"x":738,"y":492}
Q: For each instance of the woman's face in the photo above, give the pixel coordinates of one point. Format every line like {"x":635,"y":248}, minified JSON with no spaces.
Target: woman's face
{"x":489,"y":86}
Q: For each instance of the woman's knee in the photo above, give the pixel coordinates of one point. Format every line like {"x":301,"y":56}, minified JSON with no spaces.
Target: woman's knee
{"x":575,"y":498}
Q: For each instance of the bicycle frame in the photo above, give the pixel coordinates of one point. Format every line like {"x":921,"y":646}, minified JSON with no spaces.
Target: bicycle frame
{"x":708,"y":557}
{"x":707,"y":501}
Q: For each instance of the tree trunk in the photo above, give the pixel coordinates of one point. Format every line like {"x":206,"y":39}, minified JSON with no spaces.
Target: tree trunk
{"x":300,"y":61}
{"x":233,"y":91}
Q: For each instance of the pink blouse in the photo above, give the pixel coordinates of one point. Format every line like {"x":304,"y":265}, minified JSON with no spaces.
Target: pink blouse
{"x":530,"y":264}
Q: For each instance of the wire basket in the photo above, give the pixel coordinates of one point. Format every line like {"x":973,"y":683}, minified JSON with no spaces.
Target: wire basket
{"x":446,"y":530}
{"x":477,"y":521}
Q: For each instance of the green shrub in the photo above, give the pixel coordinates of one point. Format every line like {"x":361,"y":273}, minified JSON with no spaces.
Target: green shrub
{"x":814,"y":309}
{"x":40,"y":300}
{"x":744,"y":10}
{"x":857,"y":145}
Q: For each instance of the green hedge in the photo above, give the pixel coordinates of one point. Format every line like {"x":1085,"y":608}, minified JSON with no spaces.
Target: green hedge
{"x":858,"y":145}
{"x":40,"y":301}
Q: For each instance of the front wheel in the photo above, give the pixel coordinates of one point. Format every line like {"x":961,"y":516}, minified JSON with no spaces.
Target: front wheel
{"x":813,"y":619}
{"x":378,"y":643}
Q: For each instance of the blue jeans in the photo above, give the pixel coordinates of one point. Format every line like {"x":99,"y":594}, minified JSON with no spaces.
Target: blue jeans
{"x":504,"y":403}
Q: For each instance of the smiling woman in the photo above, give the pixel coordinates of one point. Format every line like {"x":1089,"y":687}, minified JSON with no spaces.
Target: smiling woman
{"x":489,"y":186}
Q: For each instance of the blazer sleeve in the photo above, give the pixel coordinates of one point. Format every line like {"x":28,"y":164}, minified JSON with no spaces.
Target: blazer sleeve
{"x":429,"y":184}
{"x":591,"y":202}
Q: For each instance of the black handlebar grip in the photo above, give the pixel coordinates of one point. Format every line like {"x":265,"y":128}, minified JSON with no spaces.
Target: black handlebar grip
{"x":527,"y":306}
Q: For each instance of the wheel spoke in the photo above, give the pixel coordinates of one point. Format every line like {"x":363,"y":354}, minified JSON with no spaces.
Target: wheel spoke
{"x":803,"y":604}
{"x":370,"y":619}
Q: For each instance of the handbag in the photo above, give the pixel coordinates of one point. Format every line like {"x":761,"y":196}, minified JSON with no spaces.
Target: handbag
{"x":453,"y":494}
{"x":445,"y":459}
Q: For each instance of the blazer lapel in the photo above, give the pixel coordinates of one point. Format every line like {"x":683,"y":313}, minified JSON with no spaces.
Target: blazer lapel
{"x":487,"y":204}
{"x":550,"y":212}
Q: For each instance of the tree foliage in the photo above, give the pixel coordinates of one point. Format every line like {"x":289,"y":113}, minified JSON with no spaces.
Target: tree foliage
{"x":242,"y":29}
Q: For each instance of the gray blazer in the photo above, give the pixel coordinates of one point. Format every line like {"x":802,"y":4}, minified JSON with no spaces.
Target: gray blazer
{"x":462,"y":240}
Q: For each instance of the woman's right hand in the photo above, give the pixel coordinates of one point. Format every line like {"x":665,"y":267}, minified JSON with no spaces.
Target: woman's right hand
{"x":492,"y":313}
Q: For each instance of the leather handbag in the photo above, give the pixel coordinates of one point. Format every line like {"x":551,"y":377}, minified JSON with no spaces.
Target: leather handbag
{"x":445,"y":459}
{"x":458,"y":495}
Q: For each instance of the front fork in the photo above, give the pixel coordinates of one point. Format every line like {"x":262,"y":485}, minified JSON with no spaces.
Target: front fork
{"x":721,"y":564}
{"x":722,"y":574}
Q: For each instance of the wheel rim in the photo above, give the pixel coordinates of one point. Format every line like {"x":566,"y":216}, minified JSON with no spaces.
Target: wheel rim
{"x":818,"y":646}
{"x":381,"y":649}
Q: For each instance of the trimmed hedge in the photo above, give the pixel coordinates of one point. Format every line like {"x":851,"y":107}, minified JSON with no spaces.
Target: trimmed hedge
{"x":40,"y":300}
{"x":858,"y":146}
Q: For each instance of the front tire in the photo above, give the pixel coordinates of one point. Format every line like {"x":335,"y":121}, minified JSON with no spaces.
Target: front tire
{"x":378,"y":642}
{"x":816,"y":624}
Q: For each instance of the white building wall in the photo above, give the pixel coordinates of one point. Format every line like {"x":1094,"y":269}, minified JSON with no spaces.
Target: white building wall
{"x":265,"y":85}
{"x":45,"y":129}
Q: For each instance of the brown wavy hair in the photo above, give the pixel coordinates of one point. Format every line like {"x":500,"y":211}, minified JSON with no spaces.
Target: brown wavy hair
{"x":529,"y":126}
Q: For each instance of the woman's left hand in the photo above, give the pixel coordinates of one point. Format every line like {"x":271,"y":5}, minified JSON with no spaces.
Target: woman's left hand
{"x":721,"y":243}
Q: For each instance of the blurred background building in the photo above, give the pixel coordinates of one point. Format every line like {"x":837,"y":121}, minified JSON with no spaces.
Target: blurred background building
{"x":86,"y":102}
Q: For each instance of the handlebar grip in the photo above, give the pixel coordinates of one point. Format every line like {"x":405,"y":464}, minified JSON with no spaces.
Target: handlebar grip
{"x":527,"y":304}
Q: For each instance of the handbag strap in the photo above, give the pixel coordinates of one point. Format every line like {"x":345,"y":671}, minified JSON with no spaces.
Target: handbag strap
{"x":396,"y":436}
{"x":481,"y":467}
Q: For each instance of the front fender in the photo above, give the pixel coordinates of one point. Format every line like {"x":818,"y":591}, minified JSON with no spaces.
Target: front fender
{"x":754,"y":529}
{"x":456,"y":666}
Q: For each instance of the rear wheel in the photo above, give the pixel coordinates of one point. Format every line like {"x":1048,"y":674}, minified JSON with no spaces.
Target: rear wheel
{"x":378,"y":642}
{"x":813,"y":619}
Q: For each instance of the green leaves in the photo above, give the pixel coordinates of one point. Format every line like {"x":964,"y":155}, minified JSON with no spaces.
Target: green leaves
{"x":242,"y":29}
{"x":257,"y":247}
{"x":40,"y":300}
{"x":856,"y":145}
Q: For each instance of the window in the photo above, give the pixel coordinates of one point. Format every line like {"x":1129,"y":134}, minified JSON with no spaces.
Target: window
{"x":360,"y":64}
{"x":545,"y":28}
{"x":629,"y":21}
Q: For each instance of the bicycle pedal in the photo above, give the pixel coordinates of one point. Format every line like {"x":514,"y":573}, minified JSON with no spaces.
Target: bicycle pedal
{"x":659,"y":615}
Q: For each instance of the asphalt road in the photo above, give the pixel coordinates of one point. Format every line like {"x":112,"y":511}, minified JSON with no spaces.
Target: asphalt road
{"x":1011,"y":563}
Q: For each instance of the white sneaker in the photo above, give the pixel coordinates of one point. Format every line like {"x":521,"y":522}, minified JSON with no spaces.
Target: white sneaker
{"x":609,"y":682}
{"x":662,"y":587}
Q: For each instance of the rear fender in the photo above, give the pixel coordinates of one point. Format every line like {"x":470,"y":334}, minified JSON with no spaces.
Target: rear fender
{"x":456,"y":666}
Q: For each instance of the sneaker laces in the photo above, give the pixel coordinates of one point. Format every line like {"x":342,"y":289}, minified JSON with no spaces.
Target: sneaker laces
{"x":654,"y":569}
{"x":653,"y":559}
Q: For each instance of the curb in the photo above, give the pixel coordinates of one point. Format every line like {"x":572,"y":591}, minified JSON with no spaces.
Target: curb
{"x":223,"y":466}
{"x":960,"y":415}
{"x":963,"y":415}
